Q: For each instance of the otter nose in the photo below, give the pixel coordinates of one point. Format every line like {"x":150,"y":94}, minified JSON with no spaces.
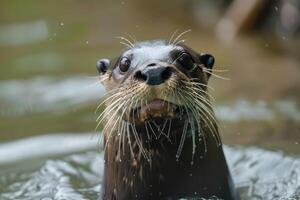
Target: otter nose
{"x":154,"y":74}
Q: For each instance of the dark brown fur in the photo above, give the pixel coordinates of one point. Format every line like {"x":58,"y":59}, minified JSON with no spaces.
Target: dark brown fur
{"x":128,"y":178}
{"x":131,"y":175}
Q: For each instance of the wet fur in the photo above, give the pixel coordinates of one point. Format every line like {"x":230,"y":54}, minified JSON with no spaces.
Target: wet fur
{"x":154,"y":160}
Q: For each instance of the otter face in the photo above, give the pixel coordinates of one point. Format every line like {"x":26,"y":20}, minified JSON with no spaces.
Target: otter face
{"x":155,"y":80}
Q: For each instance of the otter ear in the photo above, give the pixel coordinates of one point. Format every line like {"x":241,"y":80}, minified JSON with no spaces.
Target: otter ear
{"x":207,"y":60}
{"x":102,"y":65}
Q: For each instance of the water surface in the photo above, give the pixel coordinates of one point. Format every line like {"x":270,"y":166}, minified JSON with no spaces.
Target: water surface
{"x":75,"y":170}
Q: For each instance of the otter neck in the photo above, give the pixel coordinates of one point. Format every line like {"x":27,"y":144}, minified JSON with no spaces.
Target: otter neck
{"x":129,"y":174}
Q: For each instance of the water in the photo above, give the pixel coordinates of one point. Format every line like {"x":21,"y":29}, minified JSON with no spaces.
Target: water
{"x":61,"y":166}
{"x":76,"y":170}
{"x":49,"y":91}
{"x":20,"y":97}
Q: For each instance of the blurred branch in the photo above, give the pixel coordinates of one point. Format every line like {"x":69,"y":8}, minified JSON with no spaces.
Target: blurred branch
{"x":241,"y":15}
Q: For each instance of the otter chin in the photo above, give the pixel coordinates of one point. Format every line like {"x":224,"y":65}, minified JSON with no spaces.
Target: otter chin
{"x":157,"y":108}
{"x":161,"y":137}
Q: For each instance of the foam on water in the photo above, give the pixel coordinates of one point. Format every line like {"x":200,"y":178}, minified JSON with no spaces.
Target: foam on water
{"x":258,"y":173}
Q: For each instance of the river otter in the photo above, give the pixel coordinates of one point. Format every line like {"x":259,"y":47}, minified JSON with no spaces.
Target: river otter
{"x":161,"y":138}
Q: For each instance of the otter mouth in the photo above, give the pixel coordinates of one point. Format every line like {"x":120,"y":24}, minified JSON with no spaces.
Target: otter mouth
{"x":156,"y":108}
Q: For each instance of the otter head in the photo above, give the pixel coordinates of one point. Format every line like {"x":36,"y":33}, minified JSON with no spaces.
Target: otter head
{"x":156,"y":80}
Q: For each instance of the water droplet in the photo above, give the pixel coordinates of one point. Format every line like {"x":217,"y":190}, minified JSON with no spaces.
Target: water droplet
{"x":275,"y":8}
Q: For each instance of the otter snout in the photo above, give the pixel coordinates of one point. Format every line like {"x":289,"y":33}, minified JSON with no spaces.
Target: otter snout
{"x":154,"y":74}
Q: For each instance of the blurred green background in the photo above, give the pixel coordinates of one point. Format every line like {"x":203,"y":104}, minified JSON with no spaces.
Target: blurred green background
{"x":48,"y":51}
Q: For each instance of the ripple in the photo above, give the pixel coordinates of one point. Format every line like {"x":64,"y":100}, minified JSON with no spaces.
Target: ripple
{"x":258,"y":173}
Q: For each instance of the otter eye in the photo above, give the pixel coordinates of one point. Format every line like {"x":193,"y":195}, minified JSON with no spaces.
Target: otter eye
{"x":186,"y":61}
{"x":124,"y":64}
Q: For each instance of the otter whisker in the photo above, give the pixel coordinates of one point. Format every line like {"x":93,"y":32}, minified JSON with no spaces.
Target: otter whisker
{"x":119,"y":96}
{"x":172,"y":36}
{"x":129,"y":140}
{"x":118,"y":137}
{"x":195,"y":81}
{"x":145,"y":124}
{"x":160,"y":131}
{"x":215,"y":75}
{"x":193,"y":137}
{"x":121,"y":136}
{"x":133,"y":38}
{"x":139,"y":143}
{"x":219,"y":70}
{"x":109,"y":135}
{"x":202,"y":92}
{"x":108,"y":110}
{"x":165,"y":123}
{"x":180,"y":35}
{"x":123,"y":130}
{"x":183,"y":136}
{"x":205,"y":112}
{"x":149,"y":123}
{"x":201,"y":97}
{"x":191,"y":121}
{"x":175,"y":60}
{"x":180,"y":41}
{"x":104,"y":78}
{"x":107,"y":98}
{"x":209,"y":118}
{"x":129,"y":43}
{"x":112,"y":116}
{"x":147,"y":132}
{"x":104,"y":102}
{"x":197,"y":88}
{"x":202,"y":135}
{"x":169,"y":129}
